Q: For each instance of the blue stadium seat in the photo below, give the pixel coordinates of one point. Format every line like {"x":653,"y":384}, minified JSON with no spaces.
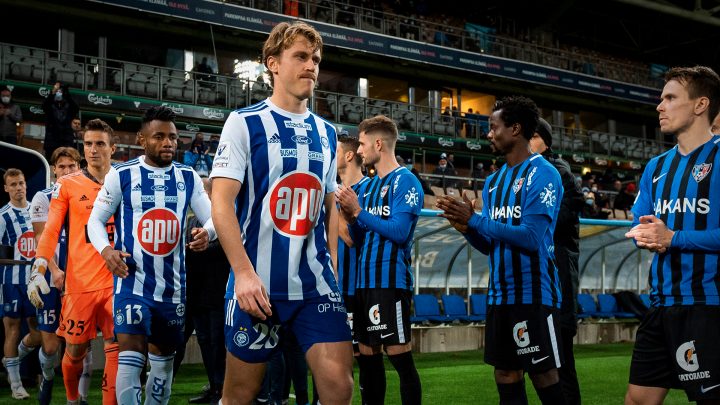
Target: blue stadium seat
{"x":427,"y":309}
{"x":478,"y":306}
{"x":645,"y":298}
{"x":609,"y":308}
{"x":455,"y":308}
{"x":588,"y":307}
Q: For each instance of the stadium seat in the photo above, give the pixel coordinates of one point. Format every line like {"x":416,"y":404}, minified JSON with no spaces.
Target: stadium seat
{"x":478,"y":306}
{"x":645,"y":298}
{"x":455,"y":308}
{"x":609,"y":308}
{"x":587,"y":306}
{"x":427,"y":309}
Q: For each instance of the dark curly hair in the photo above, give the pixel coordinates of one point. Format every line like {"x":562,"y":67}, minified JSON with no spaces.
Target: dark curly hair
{"x":519,"y":110}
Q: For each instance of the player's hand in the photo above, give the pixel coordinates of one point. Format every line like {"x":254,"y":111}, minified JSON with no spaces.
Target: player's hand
{"x":58,"y":279}
{"x":115,"y":263}
{"x":456,"y":211}
{"x":349,"y":205}
{"x":652,"y":234}
{"x":200,"y":240}
{"x":251,"y":295}
{"x":37,"y":284}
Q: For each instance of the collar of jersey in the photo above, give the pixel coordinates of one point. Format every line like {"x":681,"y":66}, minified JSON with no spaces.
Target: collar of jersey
{"x":294,"y":116}
{"x":153,"y":168}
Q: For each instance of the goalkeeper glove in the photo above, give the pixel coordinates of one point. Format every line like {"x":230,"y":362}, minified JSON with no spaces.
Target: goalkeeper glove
{"x":37,"y":284}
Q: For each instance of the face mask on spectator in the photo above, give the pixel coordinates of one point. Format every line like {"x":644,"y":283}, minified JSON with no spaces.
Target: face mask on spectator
{"x":58,"y":96}
{"x":590,"y":201}
{"x":443,"y":166}
{"x":5,"y":100}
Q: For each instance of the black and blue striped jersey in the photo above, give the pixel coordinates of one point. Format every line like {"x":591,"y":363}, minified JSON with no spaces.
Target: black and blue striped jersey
{"x":390,"y":206}
{"x":515,"y":229}
{"x":684,"y":192}
{"x":348,"y":256}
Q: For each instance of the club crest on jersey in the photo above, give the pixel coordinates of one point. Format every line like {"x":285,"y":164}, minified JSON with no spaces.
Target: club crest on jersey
{"x":181,"y":186}
{"x":384,"y":191}
{"x":180,"y":310}
{"x":295,"y":203}
{"x":547,"y":196}
{"x":241,"y":338}
{"x":159,"y":232}
{"x":324,"y":142}
{"x":26,"y":245}
{"x":517,"y":184}
{"x":699,"y":172}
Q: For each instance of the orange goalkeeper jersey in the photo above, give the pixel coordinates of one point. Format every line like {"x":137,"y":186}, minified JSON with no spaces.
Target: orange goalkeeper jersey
{"x":72,"y":202}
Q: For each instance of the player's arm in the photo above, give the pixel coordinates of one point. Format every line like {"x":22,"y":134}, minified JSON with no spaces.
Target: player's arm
{"x":344,"y":232}
{"x":200,"y":204}
{"x":331,"y":227}
{"x":249,"y":290}
{"x":106,"y":203}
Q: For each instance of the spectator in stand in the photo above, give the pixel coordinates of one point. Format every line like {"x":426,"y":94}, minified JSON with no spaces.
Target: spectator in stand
{"x":60,"y":110}
{"x":203,"y":71}
{"x":591,"y":208}
{"x":426,"y":188}
{"x":625,"y":198}
{"x":10,"y":117}
{"x":197,"y":155}
{"x":456,"y":120}
{"x":442,"y":170}
{"x":451,"y":160}
{"x":478,"y":174}
{"x":470,"y":124}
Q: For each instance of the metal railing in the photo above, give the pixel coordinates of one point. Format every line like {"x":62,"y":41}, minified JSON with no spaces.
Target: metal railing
{"x":42,"y":66}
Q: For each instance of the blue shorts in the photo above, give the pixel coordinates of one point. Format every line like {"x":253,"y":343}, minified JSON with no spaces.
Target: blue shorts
{"x":48,"y":318}
{"x":315,"y":320}
{"x":161,"y":322}
{"x":16,"y":301}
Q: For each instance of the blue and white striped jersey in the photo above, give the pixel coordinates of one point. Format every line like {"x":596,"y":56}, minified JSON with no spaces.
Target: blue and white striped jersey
{"x":150,"y":205}
{"x":684,"y":192}
{"x":286,"y":164}
{"x":16,"y":231}
{"x":348,"y":256}
{"x":39,"y":209}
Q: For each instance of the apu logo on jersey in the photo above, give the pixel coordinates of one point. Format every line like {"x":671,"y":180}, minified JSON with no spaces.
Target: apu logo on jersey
{"x":699,"y":172}
{"x":159,"y":231}
{"x":295,"y":203}
{"x":687,"y":357}
{"x":517,"y":184}
{"x":521,"y":335}
{"x":26,"y":245}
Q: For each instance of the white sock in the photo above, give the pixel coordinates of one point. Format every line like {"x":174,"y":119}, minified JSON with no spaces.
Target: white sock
{"x":159,"y":383}
{"x":12,"y":365}
{"x":48,"y":364}
{"x":85,"y":377}
{"x":23,"y":350}
{"x":127,"y":386}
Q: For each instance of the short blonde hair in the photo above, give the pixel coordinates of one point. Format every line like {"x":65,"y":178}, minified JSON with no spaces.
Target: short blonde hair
{"x":283,"y":36}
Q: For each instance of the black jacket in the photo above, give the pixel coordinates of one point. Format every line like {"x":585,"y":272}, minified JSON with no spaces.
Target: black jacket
{"x":58,"y":124}
{"x":567,"y":240}
{"x":207,"y":274}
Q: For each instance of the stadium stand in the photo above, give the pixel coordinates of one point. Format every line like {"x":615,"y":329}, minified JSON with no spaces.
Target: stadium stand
{"x":478,"y":306}
{"x":587,"y":306}
{"x":427,"y":309}
{"x":609,"y":308}
{"x":455,"y":308}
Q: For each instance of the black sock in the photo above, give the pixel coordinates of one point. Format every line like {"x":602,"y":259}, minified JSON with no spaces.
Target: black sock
{"x":512,"y":394}
{"x":361,"y":381}
{"x":410,"y":388}
{"x":373,"y":372}
{"x":552,"y":394}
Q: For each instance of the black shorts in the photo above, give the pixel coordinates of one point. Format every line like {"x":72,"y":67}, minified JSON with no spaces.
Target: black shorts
{"x":523,"y":337}
{"x":382,"y":316}
{"x":349,"y":301}
{"x":677,"y":347}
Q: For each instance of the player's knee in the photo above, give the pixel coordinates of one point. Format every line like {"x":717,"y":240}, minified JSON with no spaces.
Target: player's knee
{"x":508,"y":376}
{"x":545,"y":379}
{"x":337,"y":390}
